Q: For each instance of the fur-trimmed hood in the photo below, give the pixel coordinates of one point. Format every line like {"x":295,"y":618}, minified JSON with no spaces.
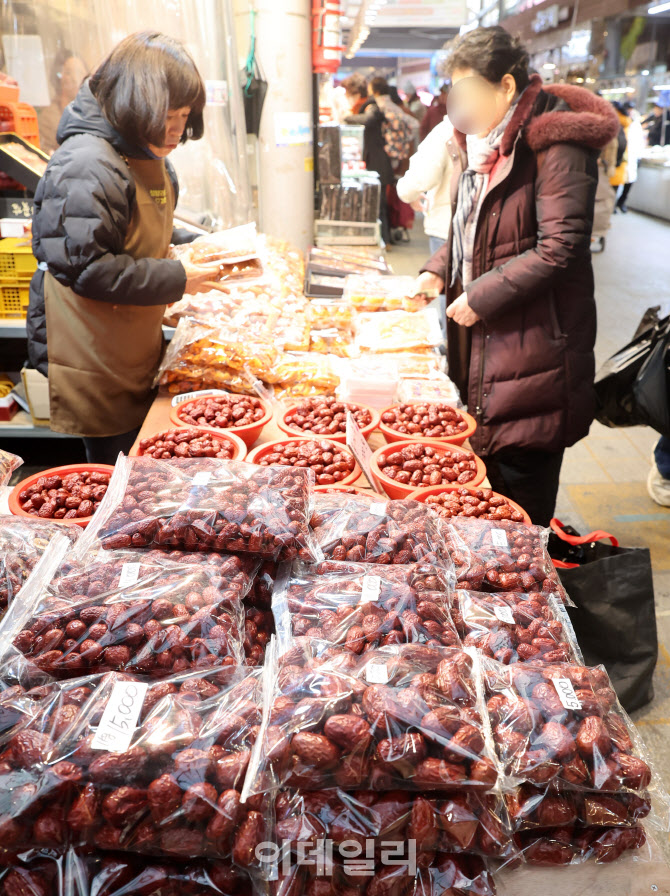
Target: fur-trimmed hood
{"x":557,"y":113}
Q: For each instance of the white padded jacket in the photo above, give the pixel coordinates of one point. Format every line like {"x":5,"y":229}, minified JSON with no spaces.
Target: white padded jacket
{"x":430,"y":170}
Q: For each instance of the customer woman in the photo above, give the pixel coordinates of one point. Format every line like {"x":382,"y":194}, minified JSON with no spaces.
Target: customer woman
{"x":102,"y":227}
{"x":517,"y":267}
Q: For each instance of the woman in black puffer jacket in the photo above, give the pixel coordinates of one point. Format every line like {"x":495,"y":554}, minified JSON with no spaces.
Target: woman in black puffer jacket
{"x":102,"y":227}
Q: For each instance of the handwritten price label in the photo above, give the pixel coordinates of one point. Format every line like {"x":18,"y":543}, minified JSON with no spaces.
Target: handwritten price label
{"x":499,"y":539}
{"x":377,"y":673}
{"x":119,"y":720}
{"x":372,"y":586}
{"x":187,"y":396}
{"x":504,"y":614}
{"x":360,"y":449}
{"x":566,"y":693}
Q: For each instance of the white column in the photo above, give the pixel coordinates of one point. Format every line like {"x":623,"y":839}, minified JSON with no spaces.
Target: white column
{"x":286,"y":179}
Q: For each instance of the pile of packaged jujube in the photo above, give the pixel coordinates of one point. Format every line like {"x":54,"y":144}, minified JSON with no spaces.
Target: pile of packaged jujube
{"x":230,"y":683}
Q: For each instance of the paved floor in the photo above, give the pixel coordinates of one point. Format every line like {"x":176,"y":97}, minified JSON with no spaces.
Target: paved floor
{"x":603,"y":481}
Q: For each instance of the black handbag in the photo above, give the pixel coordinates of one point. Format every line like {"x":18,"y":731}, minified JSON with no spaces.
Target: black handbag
{"x":622,"y":398}
{"x":254,"y":85}
{"x":614,"y":614}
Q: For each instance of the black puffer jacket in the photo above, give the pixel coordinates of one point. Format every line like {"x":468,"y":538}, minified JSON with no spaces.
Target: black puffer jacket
{"x":83,"y":207}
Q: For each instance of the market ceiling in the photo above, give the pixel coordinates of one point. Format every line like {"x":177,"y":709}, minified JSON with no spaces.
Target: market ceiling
{"x":404,"y":27}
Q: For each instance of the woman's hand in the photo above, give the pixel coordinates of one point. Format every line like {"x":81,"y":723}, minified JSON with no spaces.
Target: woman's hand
{"x":428,"y":282}
{"x":461,"y":313}
{"x":197,"y":276}
{"x":419,"y":205}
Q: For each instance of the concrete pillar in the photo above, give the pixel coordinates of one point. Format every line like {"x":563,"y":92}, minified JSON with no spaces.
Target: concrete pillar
{"x":612,"y":46}
{"x":285,"y":152}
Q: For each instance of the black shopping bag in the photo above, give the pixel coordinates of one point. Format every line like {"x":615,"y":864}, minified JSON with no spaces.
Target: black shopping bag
{"x":615,"y":382}
{"x":614,"y":615}
{"x":652,"y":387}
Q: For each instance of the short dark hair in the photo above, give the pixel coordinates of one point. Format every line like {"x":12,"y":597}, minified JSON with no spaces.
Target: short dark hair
{"x":492,"y":53}
{"x":145,"y":76}
{"x":355,"y":85}
{"x":380,"y":86}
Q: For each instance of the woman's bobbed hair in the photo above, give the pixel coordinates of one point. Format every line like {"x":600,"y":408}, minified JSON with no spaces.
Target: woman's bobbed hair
{"x":492,"y":53}
{"x":142,"y":79}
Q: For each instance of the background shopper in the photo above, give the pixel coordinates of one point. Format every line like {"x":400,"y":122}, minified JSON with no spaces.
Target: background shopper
{"x":518,"y":275}
{"x":635,"y":145}
{"x":620,"y":176}
{"x":67,"y":75}
{"x":102,"y":228}
{"x":434,"y":113}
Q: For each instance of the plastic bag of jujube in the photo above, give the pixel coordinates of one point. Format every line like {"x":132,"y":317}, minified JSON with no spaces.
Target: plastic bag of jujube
{"x":134,"y":611}
{"x":8,"y":463}
{"x":207,"y":505}
{"x":516,"y":628}
{"x":502,"y":555}
{"x":406,"y":717}
{"x":117,"y":762}
{"x":363,"y":606}
{"x":385,"y":532}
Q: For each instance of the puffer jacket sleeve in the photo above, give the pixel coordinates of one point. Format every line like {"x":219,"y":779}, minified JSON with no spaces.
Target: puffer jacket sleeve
{"x":565,"y":190}
{"x":426,"y":167}
{"x":83,"y":207}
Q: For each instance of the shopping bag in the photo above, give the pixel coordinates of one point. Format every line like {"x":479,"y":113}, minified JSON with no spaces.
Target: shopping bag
{"x":254,"y":85}
{"x":615,"y":381}
{"x":652,"y":387}
{"x":614,"y":614}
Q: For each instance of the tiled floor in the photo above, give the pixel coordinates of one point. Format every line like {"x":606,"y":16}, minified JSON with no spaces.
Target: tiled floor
{"x":603,"y":481}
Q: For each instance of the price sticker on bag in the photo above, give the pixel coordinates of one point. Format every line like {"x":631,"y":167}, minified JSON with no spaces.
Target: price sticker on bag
{"x":378,"y":508}
{"x":360,"y":449}
{"x":504,"y":614}
{"x":377,"y":673}
{"x":202,"y":477}
{"x":566,"y":693}
{"x":499,"y":539}
{"x":187,"y":396}
{"x":130,"y":573}
{"x":119,"y":720}
{"x":372,"y":586}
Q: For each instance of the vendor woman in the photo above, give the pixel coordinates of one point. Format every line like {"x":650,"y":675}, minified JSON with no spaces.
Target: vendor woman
{"x":102,"y":227}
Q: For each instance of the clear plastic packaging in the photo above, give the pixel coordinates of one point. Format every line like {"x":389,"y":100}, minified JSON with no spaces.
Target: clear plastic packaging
{"x":197,"y":505}
{"x":223,"y":247}
{"x":381,"y":293}
{"x":431,"y":390}
{"x":576,"y":845}
{"x":165,"y":782}
{"x":383,"y":531}
{"x":8,"y":463}
{"x":480,"y":503}
{"x":408,"y":717}
{"x":516,"y":628}
{"x":502,"y":555}
{"x":134,"y":611}
{"x":533,"y":808}
{"x":398,"y":331}
{"x":22,"y":544}
{"x":470,"y":823}
{"x":561,"y":724}
{"x":358,"y":607}
{"x":325,"y":314}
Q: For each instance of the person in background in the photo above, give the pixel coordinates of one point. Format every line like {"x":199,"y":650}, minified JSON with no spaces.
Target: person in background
{"x":356,"y":92}
{"x":368,"y":113}
{"x":102,"y":228}
{"x":605,"y":198}
{"x":67,"y":75}
{"x":620,"y":176}
{"x":434,"y":113}
{"x":7,"y":80}
{"x":658,"y":481}
{"x":427,"y":184}
{"x":517,"y":269}
{"x":653,"y":124}
{"x":416,"y":107}
{"x":407,"y":116}
{"x":635,"y":144}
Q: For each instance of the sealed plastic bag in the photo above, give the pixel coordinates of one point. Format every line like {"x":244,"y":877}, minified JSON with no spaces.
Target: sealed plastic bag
{"x":398,"y":331}
{"x":363,"y":606}
{"x":8,"y":463}
{"x":575,"y":845}
{"x":120,"y":763}
{"x":207,"y":505}
{"x":532,"y":808}
{"x":386,"y":532}
{"x":381,"y":293}
{"x":223,"y":247}
{"x":22,"y":544}
{"x":516,"y":628}
{"x":134,"y":611}
{"x":406,"y":717}
{"x":477,"y":503}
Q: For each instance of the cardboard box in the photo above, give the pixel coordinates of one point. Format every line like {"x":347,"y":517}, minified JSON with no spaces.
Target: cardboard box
{"x":37,"y":393}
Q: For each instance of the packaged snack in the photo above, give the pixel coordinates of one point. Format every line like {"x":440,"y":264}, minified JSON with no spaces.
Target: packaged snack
{"x":381,"y":293}
{"x":398,"y":331}
{"x":224,"y":247}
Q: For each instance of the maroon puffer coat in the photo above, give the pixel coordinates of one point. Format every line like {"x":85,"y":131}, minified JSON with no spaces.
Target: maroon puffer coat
{"x":526,"y":370}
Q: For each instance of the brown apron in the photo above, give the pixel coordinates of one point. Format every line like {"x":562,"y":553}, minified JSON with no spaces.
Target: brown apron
{"x":103,"y":357}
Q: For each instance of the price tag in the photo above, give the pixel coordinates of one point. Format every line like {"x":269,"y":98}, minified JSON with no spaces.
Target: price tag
{"x":378,"y":509}
{"x":504,"y":614}
{"x":119,"y":720}
{"x":377,"y":673}
{"x":499,"y":538}
{"x":202,"y":478}
{"x":187,"y":396}
{"x":566,"y":693}
{"x":372,"y":586}
{"x":360,"y":449}
{"x":129,"y":575}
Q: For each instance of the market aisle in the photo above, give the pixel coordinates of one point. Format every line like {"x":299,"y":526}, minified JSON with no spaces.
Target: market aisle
{"x":603,"y":481}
